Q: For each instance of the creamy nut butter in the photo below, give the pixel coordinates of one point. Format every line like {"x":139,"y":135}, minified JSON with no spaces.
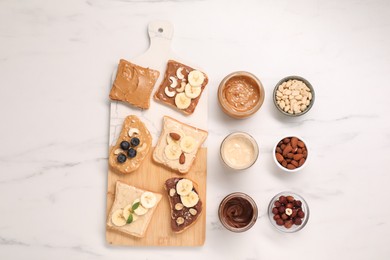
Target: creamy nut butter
{"x":240,"y":94}
{"x":239,"y":150}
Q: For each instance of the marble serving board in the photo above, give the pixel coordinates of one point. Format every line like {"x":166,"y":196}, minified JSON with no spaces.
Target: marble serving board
{"x":151,"y":176}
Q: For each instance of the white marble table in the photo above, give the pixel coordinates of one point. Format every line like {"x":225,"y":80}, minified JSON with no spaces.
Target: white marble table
{"x":56,"y":58}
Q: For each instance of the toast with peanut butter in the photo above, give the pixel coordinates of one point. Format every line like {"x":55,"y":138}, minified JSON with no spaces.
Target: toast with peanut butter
{"x":132,"y":146}
{"x":178,"y":145}
{"x":184,"y":201}
{"x":133,"y":84}
{"x":181,"y":87}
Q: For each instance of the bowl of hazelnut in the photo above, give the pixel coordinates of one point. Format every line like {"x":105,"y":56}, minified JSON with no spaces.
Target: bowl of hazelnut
{"x":288,"y":212}
{"x":291,"y":153}
{"x":293,"y":96}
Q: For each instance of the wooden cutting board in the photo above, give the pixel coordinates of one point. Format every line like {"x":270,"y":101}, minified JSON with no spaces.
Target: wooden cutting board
{"x":149,"y":175}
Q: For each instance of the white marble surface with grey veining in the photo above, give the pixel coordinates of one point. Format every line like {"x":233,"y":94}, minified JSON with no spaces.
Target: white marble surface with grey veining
{"x":56,"y":59}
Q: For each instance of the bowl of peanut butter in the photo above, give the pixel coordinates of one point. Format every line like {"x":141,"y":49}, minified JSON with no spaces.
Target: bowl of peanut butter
{"x":240,"y":94}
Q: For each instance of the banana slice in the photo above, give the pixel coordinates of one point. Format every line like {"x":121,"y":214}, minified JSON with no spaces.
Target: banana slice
{"x":174,"y":82}
{"x":148,"y":200}
{"x":127,"y":211}
{"x":196,"y":78}
{"x":140,"y":210}
{"x":190,"y":200}
{"x":192,"y":92}
{"x":118,"y":219}
{"x":184,"y":187}
{"x":182,"y":101}
{"x":169,"y":93}
{"x":172,"y":151}
{"x":179,"y":73}
{"x":188,"y":144}
{"x":182,"y":87}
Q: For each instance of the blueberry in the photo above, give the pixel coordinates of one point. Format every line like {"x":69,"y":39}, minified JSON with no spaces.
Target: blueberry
{"x":125,"y":145}
{"x":131,"y":153}
{"x":121,"y":158}
{"x":134,"y":141}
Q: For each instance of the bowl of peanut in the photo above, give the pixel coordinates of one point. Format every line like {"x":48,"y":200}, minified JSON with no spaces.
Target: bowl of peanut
{"x":293,"y":96}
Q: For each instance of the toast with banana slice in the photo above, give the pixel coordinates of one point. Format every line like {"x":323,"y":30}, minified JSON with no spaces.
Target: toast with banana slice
{"x":178,"y":145}
{"x":181,"y":87}
{"x":132,"y":209}
{"x":184,"y":201}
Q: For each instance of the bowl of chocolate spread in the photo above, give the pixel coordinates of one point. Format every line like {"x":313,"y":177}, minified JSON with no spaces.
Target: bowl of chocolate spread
{"x":238,"y":212}
{"x":240,"y":94}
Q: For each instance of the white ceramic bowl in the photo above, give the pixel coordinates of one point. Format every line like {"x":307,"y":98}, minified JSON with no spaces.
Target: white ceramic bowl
{"x":281,"y":166}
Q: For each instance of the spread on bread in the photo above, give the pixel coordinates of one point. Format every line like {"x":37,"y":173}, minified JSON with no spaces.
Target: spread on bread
{"x":134,"y":84}
{"x":132,"y":146}
{"x":132,"y":209}
{"x":184,"y":201}
{"x":178,"y":145}
{"x":181,"y":87}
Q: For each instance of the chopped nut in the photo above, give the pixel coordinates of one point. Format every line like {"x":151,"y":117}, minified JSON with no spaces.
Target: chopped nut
{"x":180,"y":220}
{"x":193,"y":211}
{"x":179,"y":206}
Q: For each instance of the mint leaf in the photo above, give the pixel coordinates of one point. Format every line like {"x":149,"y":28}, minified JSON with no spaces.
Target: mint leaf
{"x":135,"y":206}
{"x":129,"y":219}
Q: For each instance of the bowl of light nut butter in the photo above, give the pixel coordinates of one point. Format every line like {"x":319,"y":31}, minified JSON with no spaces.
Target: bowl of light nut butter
{"x":240,"y":94}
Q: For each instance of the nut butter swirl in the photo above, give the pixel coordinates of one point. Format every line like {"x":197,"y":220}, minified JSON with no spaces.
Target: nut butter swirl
{"x":237,"y":212}
{"x":241,"y":93}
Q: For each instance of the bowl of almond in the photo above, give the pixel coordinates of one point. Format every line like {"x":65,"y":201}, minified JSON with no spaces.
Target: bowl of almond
{"x":293,"y":96}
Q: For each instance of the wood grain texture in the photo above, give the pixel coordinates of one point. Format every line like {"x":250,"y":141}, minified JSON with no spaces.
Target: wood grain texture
{"x":151,"y":176}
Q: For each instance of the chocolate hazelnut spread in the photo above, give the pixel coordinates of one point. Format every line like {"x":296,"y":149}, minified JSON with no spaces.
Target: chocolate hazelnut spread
{"x":185,"y":212}
{"x":171,"y":70}
{"x":241,"y":93}
{"x":238,"y":212}
{"x":133,"y":84}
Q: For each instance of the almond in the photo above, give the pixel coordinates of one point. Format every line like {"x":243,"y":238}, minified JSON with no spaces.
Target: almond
{"x":182,"y":158}
{"x":286,"y":150}
{"x":298,"y":156}
{"x":301,"y":162}
{"x":294,"y":142}
{"x":175,"y":136}
{"x":295,"y":163}
{"x":301,"y":144}
{"x":290,"y":166}
{"x":279,"y":157}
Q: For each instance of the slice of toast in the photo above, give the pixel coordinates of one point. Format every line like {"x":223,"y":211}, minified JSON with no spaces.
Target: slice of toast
{"x":132,"y":127}
{"x":125,"y":195}
{"x":182,"y":217}
{"x":178,"y":145}
{"x":134,"y":84}
{"x":175,"y":83}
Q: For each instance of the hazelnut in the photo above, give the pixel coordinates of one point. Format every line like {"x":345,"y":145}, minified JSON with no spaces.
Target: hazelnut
{"x":282,"y":209}
{"x":290,"y":198}
{"x":288,"y":224}
{"x":277,"y":204}
{"x":280,"y":222}
{"x":284,"y":216}
{"x":275,"y":210}
{"x":288,"y":212}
